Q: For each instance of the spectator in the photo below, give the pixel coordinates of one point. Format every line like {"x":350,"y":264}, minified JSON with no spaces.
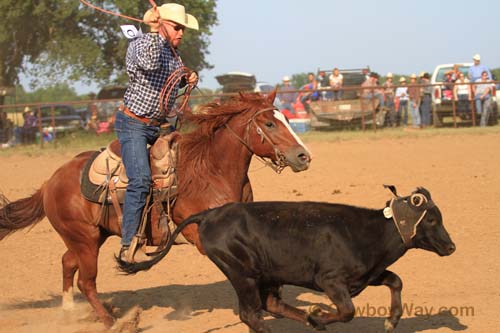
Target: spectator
{"x":447,"y":89}
{"x":323,"y":83}
{"x":389,"y":100}
{"x":6,"y":128}
{"x":28,"y":131}
{"x":462,"y":94}
{"x":402,"y":97}
{"x":370,"y":91}
{"x":286,"y":97}
{"x":426,"y":103}
{"x":414,"y":101}
{"x":336,"y":82}
{"x":482,"y":94}
{"x":312,"y":94}
{"x":475,"y":71}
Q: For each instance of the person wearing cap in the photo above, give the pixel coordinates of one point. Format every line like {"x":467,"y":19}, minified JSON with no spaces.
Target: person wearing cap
{"x":426,"y":102}
{"x":389,"y":99}
{"x":336,"y":82}
{"x":151,"y":59}
{"x":287,"y":96}
{"x":402,"y":97}
{"x":414,"y":101}
{"x":476,"y":70}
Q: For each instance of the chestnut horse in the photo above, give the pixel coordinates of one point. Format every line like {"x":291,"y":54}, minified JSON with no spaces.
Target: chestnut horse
{"x":212,"y":170}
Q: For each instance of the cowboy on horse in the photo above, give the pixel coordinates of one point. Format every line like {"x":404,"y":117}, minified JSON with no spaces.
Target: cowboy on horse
{"x":151,"y":61}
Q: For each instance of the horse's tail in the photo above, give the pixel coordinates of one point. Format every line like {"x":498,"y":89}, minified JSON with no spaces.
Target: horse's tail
{"x":132,"y":268}
{"x":21,"y":213}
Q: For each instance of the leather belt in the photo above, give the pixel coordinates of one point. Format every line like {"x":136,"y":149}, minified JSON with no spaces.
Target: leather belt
{"x":144,"y":120}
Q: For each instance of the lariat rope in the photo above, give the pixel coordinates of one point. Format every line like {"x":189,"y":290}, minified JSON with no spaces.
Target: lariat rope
{"x":174,"y":79}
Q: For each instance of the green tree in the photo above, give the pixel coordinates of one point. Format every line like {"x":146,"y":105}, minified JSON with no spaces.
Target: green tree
{"x":55,"y":40}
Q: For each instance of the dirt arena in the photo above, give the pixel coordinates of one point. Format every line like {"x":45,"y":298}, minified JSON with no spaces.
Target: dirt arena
{"x":186,"y":292}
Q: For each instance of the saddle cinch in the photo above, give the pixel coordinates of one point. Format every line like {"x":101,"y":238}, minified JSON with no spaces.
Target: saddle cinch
{"x":104,"y":181}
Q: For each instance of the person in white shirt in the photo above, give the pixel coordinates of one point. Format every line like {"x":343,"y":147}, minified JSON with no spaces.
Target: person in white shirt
{"x":462,"y":94}
{"x":336,"y":83}
{"x":402,"y":96}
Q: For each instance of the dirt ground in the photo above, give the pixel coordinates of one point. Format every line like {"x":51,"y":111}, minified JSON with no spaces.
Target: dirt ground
{"x":186,"y":292}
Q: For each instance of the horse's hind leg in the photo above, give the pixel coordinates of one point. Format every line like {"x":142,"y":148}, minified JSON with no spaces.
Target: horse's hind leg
{"x":69,"y":267}
{"x":87,"y":266}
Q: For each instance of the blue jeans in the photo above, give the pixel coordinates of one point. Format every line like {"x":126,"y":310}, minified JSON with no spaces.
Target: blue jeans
{"x":415,"y":114}
{"x":378,"y":96}
{"x":483,"y":108}
{"x":425,"y":108}
{"x":403,"y":111}
{"x":134,"y":137}
{"x":337,"y":94}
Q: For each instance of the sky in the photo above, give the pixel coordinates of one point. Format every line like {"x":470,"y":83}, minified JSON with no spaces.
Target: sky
{"x":274,"y":38}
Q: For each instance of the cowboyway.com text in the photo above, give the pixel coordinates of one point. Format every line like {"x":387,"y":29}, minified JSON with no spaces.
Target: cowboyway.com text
{"x":411,"y":310}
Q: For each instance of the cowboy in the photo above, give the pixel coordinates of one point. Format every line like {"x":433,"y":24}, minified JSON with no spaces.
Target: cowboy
{"x":476,"y":70}
{"x":151,"y":60}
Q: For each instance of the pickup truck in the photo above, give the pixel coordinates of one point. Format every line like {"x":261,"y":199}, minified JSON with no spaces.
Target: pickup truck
{"x":442,"y":98}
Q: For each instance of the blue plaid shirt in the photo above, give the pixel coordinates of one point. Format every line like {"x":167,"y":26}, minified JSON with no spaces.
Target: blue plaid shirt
{"x":150,"y":62}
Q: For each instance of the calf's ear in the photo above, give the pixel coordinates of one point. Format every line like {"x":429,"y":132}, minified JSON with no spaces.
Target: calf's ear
{"x":392,"y":188}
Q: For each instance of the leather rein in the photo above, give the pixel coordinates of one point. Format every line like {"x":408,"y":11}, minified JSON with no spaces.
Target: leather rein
{"x":277,"y":165}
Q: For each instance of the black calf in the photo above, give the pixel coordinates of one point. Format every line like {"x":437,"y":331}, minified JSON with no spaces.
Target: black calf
{"x":334,"y":248}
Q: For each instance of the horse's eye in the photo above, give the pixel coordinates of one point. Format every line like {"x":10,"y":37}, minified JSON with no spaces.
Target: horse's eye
{"x":270,"y":124}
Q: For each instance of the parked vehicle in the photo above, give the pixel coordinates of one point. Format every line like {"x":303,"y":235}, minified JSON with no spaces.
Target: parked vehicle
{"x":351,"y":110}
{"x":61,"y":118}
{"x":442,"y":98}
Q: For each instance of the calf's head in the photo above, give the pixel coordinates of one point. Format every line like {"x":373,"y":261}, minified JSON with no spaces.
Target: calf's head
{"x":420,"y":223}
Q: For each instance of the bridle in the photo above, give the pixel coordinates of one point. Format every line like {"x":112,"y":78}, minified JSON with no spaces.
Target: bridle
{"x":277,"y":165}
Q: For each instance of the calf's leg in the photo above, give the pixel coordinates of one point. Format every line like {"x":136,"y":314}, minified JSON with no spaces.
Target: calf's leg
{"x":249,"y":302}
{"x":340,"y":296}
{"x":271,"y":297}
{"x":391,"y":280}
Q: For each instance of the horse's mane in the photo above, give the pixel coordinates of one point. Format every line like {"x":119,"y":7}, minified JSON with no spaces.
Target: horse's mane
{"x":195,"y":146}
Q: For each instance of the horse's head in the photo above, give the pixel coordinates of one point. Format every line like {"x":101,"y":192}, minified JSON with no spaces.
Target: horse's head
{"x":268,"y":134}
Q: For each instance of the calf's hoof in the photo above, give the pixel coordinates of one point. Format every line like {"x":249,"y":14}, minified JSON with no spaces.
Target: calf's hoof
{"x":388,"y":326}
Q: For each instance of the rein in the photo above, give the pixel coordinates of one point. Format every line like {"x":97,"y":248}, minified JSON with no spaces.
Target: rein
{"x":280,"y":162}
{"x":174,"y":79}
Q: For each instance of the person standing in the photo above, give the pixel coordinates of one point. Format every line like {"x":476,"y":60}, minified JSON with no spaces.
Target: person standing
{"x":287,"y":96}
{"x":402,"y":96}
{"x":389,"y":99}
{"x":482,"y":97}
{"x":475,"y":71}
{"x":151,"y":59}
{"x":414,"y":101}
{"x":426,"y":103}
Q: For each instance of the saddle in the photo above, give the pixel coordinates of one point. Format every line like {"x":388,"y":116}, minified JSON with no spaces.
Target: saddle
{"x":104,"y":180}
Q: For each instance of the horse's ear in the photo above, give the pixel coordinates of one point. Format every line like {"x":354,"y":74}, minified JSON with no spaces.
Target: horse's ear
{"x":272,"y":95}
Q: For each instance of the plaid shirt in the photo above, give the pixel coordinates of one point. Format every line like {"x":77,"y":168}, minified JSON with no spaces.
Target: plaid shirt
{"x":150,"y":62}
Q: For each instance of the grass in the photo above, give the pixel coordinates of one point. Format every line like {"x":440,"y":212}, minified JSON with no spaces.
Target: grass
{"x":83,"y":141}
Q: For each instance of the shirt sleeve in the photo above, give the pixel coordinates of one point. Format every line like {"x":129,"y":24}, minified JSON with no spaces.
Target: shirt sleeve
{"x":148,"y":50}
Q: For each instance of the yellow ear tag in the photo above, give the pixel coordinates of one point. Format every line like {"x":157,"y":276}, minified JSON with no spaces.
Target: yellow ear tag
{"x":387,"y":212}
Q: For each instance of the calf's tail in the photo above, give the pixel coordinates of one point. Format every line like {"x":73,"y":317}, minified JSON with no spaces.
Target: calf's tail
{"x":21,"y":213}
{"x":132,"y":268}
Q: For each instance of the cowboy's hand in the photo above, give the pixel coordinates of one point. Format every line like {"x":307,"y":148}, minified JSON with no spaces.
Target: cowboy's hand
{"x":152,"y":18}
{"x":193,"y":78}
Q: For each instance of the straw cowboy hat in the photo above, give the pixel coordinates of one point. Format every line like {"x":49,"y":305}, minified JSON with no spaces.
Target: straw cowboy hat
{"x":27,"y":109}
{"x":402,"y":79}
{"x":286,"y":78}
{"x":476,"y":57}
{"x":177,"y":13}
{"x":413,"y":76}
{"x":389,"y":74}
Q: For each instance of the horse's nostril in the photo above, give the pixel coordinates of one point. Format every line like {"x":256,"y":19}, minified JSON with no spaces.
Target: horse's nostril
{"x":303,"y":157}
{"x":451,"y":248}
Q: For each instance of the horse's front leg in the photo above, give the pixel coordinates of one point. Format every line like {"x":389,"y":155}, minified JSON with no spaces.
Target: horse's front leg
{"x":395,"y":284}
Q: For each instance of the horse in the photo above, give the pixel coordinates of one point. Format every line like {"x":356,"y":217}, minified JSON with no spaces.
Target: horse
{"x":212,"y":167}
